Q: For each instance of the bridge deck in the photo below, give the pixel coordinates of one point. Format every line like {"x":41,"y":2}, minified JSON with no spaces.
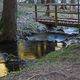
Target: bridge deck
{"x":54,"y":12}
{"x":60,"y":22}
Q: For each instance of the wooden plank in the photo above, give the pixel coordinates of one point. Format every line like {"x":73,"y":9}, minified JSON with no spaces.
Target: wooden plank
{"x":61,"y":22}
{"x":67,"y":19}
{"x":64,"y":4}
{"x":63,"y":12}
{"x":59,"y":4}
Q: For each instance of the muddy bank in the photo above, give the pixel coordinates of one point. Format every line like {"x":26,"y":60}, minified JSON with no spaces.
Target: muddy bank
{"x":61,"y":65}
{"x":58,"y":71}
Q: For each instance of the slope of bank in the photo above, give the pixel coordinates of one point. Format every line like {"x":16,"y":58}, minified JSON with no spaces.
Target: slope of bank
{"x":59,"y":65}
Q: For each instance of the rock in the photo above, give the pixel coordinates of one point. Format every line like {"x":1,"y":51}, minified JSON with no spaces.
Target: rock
{"x":71,"y":40}
{"x":27,"y":26}
{"x":3,"y":57}
{"x":3,"y":68}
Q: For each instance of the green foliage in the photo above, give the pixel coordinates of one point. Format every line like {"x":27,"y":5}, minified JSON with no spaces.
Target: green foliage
{"x":0,"y":17}
{"x":3,"y":23}
{"x":72,"y":53}
{"x":18,"y":14}
{"x":30,"y":27}
{"x":65,"y":54}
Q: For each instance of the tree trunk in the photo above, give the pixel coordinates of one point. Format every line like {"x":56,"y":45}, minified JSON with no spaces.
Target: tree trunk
{"x":8,"y":21}
{"x":8,"y":27}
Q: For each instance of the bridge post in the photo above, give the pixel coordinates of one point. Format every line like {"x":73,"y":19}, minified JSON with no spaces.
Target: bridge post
{"x":35,"y":12}
{"x":78,"y":13}
{"x":48,"y":9}
{"x":56,"y":21}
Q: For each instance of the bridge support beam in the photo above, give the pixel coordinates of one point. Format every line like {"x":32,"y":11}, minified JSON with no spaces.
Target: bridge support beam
{"x":35,"y":12}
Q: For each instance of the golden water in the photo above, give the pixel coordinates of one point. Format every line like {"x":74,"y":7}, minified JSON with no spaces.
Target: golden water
{"x":23,"y":52}
{"x":37,"y":49}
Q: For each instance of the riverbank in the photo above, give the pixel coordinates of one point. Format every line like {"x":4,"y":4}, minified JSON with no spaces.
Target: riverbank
{"x":60,"y":65}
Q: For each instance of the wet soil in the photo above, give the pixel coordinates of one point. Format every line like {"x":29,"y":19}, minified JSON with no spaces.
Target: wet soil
{"x":50,"y":71}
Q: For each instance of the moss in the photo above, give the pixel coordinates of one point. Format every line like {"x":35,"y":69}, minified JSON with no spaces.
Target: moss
{"x":67,"y":54}
{"x":70,"y":53}
{"x":18,"y":14}
{"x":2,"y":25}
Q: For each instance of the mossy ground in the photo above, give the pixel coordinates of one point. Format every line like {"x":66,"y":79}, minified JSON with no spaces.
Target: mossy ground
{"x":71,"y":54}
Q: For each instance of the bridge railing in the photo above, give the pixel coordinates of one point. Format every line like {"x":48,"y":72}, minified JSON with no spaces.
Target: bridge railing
{"x":58,"y":9}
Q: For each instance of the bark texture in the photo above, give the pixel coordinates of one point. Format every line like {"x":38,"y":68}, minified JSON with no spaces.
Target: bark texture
{"x":8,"y":21}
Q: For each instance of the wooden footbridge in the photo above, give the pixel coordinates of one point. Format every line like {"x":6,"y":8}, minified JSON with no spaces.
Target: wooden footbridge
{"x":70,"y":10}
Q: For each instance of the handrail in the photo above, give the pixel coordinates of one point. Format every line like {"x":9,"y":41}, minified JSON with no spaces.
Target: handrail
{"x":59,"y":4}
{"x":64,"y":4}
{"x":63,"y":12}
{"x":68,"y":19}
{"x":56,"y":10}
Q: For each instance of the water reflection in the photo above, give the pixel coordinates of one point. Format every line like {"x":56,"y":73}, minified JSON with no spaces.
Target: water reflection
{"x":40,"y":44}
{"x":25,"y":50}
{"x":57,"y":38}
{"x":29,"y":50}
{"x":71,"y":30}
{"x":35,"y":46}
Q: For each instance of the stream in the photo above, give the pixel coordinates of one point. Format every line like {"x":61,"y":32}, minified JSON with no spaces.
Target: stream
{"x":39,"y":44}
{"x":35,"y":44}
{"x":35,"y":41}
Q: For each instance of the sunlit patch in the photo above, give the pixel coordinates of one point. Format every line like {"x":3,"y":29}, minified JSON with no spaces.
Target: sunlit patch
{"x":3,"y":70}
{"x":59,"y":46}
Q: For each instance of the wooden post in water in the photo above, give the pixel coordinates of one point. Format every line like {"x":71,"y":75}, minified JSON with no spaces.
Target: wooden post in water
{"x":35,"y":12}
{"x":56,"y":21}
{"x":43,"y":47}
{"x":39,"y":49}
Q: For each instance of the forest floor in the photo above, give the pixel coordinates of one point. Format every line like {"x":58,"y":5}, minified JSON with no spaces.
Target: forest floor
{"x":59,"y":65}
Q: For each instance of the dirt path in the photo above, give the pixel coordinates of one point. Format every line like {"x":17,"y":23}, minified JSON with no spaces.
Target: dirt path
{"x":55,"y":71}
